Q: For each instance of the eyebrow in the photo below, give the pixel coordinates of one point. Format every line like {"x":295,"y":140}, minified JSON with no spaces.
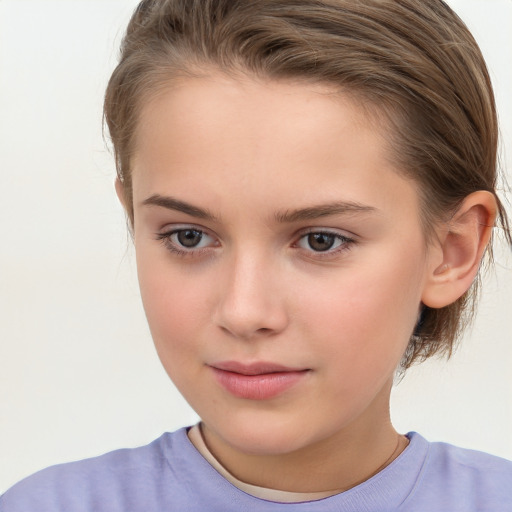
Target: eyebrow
{"x":181,"y":206}
{"x":287,"y":216}
{"x":323,"y":210}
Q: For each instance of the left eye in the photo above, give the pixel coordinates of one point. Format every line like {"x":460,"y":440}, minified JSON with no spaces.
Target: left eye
{"x":322,"y":241}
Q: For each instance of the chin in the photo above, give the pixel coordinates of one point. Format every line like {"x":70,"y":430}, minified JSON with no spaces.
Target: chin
{"x":266,"y":436}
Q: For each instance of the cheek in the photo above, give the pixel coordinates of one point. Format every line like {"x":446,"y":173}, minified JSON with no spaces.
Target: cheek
{"x":363,"y":318}
{"x":175,"y":304}
{"x":173,"y":307}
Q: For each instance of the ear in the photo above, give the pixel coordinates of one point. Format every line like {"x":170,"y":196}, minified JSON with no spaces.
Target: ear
{"x":462,"y":242}
{"x":120,"y":192}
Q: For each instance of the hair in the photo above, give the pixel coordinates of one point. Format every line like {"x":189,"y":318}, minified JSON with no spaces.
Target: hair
{"x":414,"y":64}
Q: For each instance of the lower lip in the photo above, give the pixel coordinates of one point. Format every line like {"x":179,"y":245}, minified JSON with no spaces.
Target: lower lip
{"x":258,"y":387}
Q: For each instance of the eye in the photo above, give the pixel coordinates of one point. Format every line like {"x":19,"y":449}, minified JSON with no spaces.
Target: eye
{"x":189,"y":238}
{"x":186,"y":240}
{"x":323,"y":241}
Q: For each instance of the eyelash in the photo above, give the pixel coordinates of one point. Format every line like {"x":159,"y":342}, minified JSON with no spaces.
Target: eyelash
{"x":166,"y":239}
{"x":345,"y":243}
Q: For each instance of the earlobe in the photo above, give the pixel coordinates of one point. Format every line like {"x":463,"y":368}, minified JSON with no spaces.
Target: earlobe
{"x":462,"y":245}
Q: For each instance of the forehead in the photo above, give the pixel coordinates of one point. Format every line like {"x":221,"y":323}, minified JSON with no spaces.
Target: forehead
{"x":276,"y":144}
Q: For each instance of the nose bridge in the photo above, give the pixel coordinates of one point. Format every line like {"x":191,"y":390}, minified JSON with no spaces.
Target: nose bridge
{"x":250,"y":301}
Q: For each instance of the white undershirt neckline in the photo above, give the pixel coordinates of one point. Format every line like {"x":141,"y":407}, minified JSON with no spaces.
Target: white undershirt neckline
{"x":196,"y":438}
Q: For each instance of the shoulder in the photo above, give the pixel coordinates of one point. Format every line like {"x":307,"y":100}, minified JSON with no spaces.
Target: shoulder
{"x":108,"y":482}
{"x":464,"y":479}
{"x":473,"y":465}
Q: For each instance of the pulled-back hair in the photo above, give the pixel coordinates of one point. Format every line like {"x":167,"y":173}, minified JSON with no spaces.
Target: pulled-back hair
{"x":413,"y":64}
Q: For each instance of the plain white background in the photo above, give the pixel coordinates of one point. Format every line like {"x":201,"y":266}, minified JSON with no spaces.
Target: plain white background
{"x":78,"y":373}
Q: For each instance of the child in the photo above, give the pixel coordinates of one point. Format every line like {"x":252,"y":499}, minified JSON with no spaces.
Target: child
{"x":311,"y":190}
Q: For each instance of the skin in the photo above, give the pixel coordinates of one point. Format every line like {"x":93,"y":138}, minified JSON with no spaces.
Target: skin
{"x":248,"y":152}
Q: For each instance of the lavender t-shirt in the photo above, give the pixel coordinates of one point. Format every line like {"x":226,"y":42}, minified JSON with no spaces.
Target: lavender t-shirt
{"x":170,"y":475}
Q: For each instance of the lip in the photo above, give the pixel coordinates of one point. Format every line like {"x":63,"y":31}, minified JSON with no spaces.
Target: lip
{"x":257,"y":381}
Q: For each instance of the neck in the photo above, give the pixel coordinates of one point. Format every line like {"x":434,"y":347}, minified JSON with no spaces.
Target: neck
{"x":336,"y":463}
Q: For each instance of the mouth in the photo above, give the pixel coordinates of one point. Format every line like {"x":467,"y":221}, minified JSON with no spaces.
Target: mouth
{"x":257,"y":381}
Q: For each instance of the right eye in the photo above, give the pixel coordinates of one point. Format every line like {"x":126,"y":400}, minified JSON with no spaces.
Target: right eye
{"x":189,"y":238}
{"x":186,"y":240}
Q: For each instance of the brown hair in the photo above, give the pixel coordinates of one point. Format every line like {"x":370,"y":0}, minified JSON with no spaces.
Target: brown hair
{"x":411,"y":62}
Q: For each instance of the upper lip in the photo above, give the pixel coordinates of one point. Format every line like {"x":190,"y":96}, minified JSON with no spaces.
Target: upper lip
{"x":256,"y":368}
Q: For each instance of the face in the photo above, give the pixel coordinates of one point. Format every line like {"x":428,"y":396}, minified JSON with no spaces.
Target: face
{"x":280,"y":257}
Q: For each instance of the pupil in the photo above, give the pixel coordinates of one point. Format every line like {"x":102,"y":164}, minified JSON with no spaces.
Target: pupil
{"x":320,"y":241}
{"x":189,"y":237}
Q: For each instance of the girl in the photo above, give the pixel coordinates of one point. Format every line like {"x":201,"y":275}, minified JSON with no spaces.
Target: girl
{"x":310,"y":187}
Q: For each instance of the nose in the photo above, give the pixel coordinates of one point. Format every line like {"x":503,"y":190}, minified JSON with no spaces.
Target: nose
{"x":251,"y":299}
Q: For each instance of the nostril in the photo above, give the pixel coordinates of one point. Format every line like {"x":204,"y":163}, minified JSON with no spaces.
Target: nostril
{"x":246,"y":308}
{"x":246,"y":332}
